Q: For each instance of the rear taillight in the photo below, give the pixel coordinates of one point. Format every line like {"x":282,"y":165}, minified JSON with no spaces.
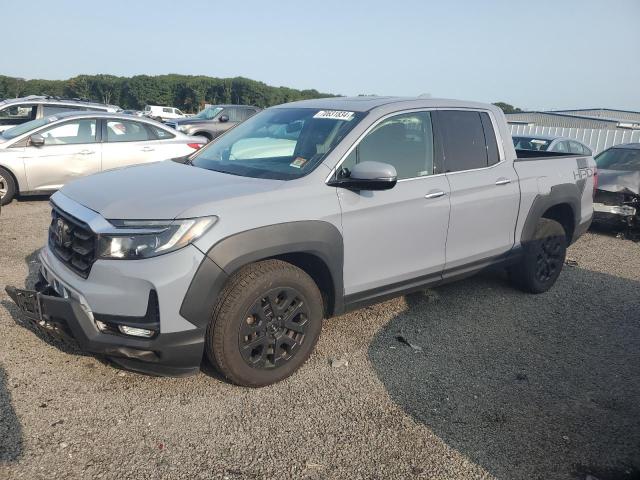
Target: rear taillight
{"x":195,"y":146}
{"x":595,"y":180}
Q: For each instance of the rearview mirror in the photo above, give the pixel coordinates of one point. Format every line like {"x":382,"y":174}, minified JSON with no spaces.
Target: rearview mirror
{"x":223,"y":118}
{"x":368,"y":176}
{"x":36,"y":140}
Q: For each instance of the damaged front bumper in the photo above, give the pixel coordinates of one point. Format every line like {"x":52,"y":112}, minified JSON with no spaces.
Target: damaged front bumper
{"x":172,"y":354}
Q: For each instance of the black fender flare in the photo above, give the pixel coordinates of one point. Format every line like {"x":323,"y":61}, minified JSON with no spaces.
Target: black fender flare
{"x":314,"y":237}
{"x":564,"y":193}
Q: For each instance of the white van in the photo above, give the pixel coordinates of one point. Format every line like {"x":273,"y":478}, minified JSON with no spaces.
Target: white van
{"x":162,"y":113}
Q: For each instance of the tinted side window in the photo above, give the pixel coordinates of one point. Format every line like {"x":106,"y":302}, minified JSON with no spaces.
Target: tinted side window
{"x":463,"y":140}
{"x":575,"y":147}
{"x":167,"y":110}
{"x":232,"y":113}
{"x":404,"y":141}
{"x":562,"y":147}
{"x":16,"y":114}
{"x":126,"y":131}
{"x":74,"y":132}
{"x":53,"y":109}
{"x":160,"y":133}
{"x":493,"y":156}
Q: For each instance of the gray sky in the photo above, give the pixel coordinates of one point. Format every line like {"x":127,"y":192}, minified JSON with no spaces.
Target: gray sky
{"x":533,"y":54}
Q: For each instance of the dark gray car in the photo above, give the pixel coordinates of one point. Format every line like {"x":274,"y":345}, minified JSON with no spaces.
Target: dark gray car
{"x":214,"y":120}
{"x":617,"y":199}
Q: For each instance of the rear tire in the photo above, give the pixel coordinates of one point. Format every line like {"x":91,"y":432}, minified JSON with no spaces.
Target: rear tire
{"x":542,"y":259}
{"x":265,"y":325}
{"x":7,"y":187}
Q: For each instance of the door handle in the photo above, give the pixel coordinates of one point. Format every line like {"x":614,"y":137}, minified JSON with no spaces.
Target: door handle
{"x":148,"y":149}
{"x":85,"y":152}
{"x":503,"y":181}
{"x":437,"y":194}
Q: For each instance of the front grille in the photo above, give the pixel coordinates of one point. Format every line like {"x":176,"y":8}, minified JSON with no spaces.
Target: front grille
{"x":172,"y":125}
{"x":72,"y":242}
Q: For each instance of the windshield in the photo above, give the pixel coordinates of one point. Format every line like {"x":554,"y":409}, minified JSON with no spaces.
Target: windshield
{"x":280,"y":143}
{"x":27,"y":127}
{"x":531,"y":143}
{"x":626,"y":159}
{"x":208,"y":113}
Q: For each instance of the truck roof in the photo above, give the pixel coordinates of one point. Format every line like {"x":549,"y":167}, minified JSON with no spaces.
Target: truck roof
{"x":367,"y":103}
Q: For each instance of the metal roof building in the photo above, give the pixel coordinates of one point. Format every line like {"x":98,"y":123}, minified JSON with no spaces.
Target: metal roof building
{"x":599,"y":128}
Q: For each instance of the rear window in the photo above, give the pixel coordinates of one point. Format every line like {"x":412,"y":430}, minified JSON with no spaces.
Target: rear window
{"x":463,"y":140}
{"x":625,"y":159}
{"x":531,"y":143}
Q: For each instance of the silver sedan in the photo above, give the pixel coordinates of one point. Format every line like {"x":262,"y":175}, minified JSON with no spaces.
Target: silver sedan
{"x":40,"y":156}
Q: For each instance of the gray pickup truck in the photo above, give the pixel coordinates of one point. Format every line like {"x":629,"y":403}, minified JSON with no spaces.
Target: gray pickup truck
{"x":305,"y":211}
{"x":214,"y":120}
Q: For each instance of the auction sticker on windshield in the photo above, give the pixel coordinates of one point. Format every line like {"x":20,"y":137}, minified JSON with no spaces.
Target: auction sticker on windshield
{"x":335,"y":115}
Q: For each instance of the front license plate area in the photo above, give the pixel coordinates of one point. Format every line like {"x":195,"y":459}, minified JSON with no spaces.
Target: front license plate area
{"x":29,"y":302}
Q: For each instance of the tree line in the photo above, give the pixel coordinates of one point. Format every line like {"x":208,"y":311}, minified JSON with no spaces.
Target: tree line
{"x":189,"y":93}
{"x":186,"y":92}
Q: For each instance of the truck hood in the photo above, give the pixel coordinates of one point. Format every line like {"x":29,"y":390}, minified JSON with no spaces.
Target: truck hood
{"x":190,"y":121}
{"x":162,"y":191}
{"x":619,"y":181}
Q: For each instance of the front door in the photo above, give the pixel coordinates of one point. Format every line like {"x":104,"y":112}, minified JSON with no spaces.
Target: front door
{"x":397,"y":237}
{"x":70,"y":151}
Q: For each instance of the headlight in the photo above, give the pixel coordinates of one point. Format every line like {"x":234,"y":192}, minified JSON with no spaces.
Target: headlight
{"x":183,"y":128}
{"x":150,"y":238}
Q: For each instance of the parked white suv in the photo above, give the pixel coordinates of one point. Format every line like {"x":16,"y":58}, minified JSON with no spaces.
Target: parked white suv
{"x":162,"y":113}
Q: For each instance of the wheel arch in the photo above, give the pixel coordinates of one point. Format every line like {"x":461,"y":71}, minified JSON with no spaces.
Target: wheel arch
{"x":203,"y":133}
{"x":562,"y":204}
{"x":314,"y":246}
{"x":14,"y":177}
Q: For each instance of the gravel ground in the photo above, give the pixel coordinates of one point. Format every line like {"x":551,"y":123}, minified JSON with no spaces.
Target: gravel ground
{"x":498,"y":384}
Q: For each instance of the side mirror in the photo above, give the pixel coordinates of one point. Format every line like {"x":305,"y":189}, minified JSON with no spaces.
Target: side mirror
{"x":36,"y":140}
{"x":223,"y":118}
{"x":368,"y":176}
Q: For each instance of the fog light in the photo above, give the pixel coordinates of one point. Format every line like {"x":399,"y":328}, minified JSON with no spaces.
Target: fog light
{"x":101,"y":326}
{"x":136,"y":332}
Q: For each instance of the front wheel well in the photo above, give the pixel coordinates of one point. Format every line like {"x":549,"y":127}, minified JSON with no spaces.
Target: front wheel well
{"x":319,"y":272}
{"x":203,"y":134}
{"x":13,"y":177}
{"x":563,"y":214}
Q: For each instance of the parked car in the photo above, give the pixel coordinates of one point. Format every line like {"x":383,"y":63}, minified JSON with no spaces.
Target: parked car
{"x":42,"y":155}
{"x":162,"y":114}
{"x":214,"y":120}
{"x":549,"y":143}
{"x":240,"y":255}
{"x":17,"y":111}
{"x":617,"y":199}
{"x":135,"y":113}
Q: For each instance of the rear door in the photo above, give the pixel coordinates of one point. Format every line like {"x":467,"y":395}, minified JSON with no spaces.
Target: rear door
{"x":128,"y":142}
{"x":71,"y":150}
{"x":484,"y":189}
{"x":395,"y":237}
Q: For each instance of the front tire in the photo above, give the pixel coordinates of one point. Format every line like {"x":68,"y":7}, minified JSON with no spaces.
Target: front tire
{"x":7,"y":187}
{"x":542,"y":259}
{"x":265,"y":325}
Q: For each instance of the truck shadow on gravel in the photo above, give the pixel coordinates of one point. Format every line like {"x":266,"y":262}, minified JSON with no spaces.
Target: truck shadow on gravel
{"x":526,"y":386}
{"x":10,"y":428}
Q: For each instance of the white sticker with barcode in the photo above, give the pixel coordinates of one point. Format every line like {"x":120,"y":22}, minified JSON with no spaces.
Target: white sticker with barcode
{"x":335,"y":115}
